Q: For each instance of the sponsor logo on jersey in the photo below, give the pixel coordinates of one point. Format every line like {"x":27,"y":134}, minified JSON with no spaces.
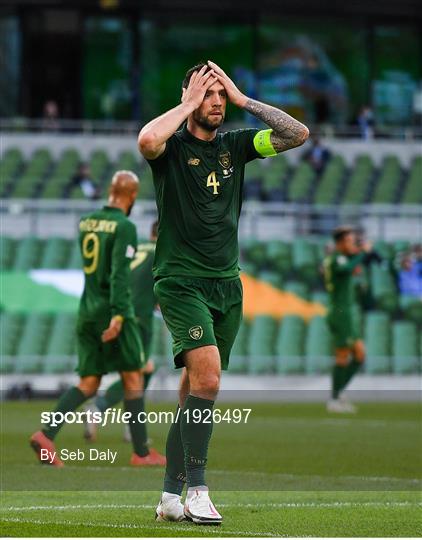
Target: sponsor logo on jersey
{"x":194,"y":161}
{"x":225,"y":160}
{"x":341,"y":259}
{"x":196,"y":332}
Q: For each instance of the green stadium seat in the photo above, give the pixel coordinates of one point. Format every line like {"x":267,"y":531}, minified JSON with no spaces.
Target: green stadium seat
{"x":10,"y":165}
{"x":359,"y":181}
{"x":11,"y":328}
{"x":377,"y":339}
{"x":318,"y":347}
{"x":331,"y":182}
{"x":157,"y":343}
{"x":279,"y":256}
{"x":383,"y":288}
{"x":7,"y":252}
{"x":75,"y":259}
{"x":298,"y":288}
{"x":274,"y":174}
{"x":271,"y":277}
{"x":305,"y":261}
{"x":146,"y":189}
{"x":301,"y":182}
{"x":62,"y":337}
{"x":59,"y":180}
{"x":238,"y":356}
{"x":411,"y":307}
{"x":290,"y":345}
{"x":412,"y":193}
{"x":321,"y":297}
{"x":34,"y":174}
{"x":387,"y":187}
{"x":255,"y":252}
{"x":28,"y":364}
{"x":35,"y":335}
{"x":57,"y":364}
{"x":56,"y":253}
{"x":406,"y":358}
{"x":261,"y":344}
{"x":28,"y":253}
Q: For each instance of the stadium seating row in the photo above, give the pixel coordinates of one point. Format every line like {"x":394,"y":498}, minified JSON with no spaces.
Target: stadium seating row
{"x":293,"y":267}
{"x":45,"y":343}
{"x":272,"y":180}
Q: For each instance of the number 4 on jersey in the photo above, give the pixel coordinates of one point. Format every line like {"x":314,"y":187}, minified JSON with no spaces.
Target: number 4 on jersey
{"x":213,"y":182}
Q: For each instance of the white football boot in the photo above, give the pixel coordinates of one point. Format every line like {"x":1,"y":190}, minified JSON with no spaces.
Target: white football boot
{"x":90,"y":428}
{"x":199,"y":508}
{"x":352,"y":408}
{"x":170,"y":508}
{"x":339,"y":406}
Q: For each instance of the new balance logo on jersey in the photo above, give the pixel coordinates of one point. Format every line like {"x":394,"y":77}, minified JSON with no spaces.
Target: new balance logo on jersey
{"x":194,"y":161}
{"x":196,"y":332}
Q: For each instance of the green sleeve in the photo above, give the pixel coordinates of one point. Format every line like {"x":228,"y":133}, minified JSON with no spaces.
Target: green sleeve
{"x":124,"y":249}
{"x":345,"y":265}
{"x":244,"y":144}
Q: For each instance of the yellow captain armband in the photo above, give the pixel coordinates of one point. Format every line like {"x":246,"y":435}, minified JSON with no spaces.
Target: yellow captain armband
{"x":119,"y":318}
{"x":262,"y":143}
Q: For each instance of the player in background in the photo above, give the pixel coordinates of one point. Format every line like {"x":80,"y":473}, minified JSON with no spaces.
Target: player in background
{"x":198,"y":178}
{"x":107,"y":335}
{"x":142,"y":283}
{"x":339,"y":269}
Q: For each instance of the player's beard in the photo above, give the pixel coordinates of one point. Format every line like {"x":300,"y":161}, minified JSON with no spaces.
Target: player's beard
{"x":209,"y":123}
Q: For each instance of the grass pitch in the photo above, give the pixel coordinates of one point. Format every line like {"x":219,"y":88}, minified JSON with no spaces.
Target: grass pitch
{"x":292,"y":470}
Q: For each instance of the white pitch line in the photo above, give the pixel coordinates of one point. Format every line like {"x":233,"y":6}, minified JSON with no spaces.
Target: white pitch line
{"x":285,"y":476}
{"x":220,"y":532}
{"x":343,"y":504}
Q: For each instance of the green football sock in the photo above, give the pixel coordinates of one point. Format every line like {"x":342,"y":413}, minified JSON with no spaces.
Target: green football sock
{"x":113,"y":395}
{"x":338,"y":376}
{"x":350,"y":371}
{"x":196,"y":437}
{"x":138,"y":430}
{"x":68,"y":402}
{"x":175,"y":477}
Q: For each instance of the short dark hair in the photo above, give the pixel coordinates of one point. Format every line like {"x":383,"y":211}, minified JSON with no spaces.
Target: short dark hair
{"x":190,"y":72}
{"x":154,"y":229}
{"x":340,"y":232}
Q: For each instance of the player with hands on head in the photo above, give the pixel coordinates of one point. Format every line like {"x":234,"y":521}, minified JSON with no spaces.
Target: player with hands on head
{"x":198,"y":178}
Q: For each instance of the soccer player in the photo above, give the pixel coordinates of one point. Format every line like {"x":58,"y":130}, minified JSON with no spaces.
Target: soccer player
{"x":107,"y":336}
{"x":142,"y":283}
{"x":339,"y":269}
{"x":198,"y":177}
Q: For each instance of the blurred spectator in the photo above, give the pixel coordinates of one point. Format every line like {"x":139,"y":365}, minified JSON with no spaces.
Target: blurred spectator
{"x":84,"y":180}
{"x":366,"y":123}
{"x":410,"y":274}
{"x":317,"y":156}
{"x":50,"y":116}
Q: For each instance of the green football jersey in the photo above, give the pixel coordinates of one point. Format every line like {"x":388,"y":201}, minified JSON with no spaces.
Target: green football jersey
{"x":198,"y":188}
{"x":108,"y":243}
{"x":338,"y":275}
{"x":142,"y":283}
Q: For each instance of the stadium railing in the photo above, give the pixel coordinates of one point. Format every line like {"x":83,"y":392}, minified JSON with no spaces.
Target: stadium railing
{"x":87,"y":126}
{"x":260,"y":220}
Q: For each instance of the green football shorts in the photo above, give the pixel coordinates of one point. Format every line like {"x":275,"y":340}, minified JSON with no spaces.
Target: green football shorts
{"x":125,"y":353}
{"x":344,"y":328}
{"x":200,"y":312}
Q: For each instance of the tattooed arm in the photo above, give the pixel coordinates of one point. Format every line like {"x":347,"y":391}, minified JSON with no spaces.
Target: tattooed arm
{"x":287,"y":132}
